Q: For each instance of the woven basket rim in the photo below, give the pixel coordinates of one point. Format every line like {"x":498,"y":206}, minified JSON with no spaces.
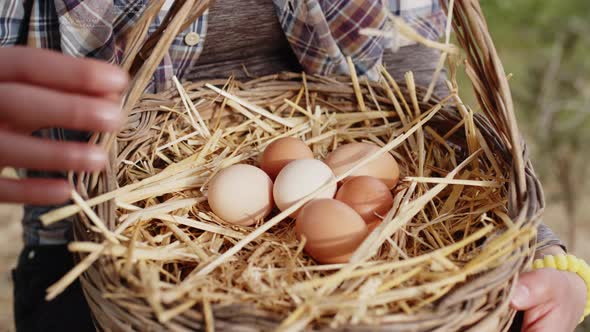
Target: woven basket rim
{"x":499,"y":279}
{"x":525,"y":203}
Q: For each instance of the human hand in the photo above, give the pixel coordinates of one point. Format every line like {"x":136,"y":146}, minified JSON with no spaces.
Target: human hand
{"x":552,"y":300}
{"x":44,"y":89}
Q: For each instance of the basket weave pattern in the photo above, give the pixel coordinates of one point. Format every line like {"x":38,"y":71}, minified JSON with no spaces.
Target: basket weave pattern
{"x":478,"y":303}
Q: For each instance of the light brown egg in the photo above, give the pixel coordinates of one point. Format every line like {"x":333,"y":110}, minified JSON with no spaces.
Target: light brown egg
{"x":241,"y":194}
{"x":281,"y":152}
{"x":332,"y":229}
{"x":368,"y":196}
{"x":347,"y":156}
{"x":301,"y":178}
{"x":373,"y":225}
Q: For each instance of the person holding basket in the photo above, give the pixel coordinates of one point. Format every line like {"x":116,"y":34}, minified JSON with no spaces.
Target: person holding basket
{"x":58,"y":70}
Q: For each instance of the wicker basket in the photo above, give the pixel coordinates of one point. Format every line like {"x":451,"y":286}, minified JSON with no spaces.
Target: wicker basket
{"x":478,"y":304}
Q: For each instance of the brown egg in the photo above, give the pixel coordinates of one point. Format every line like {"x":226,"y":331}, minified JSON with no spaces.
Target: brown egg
{"x":241,"y":194}
{"x":347,"y":156}
{"x":372,"y":226}
{"x":368,"y":196}
{"x":281,"y":152}
{"x":333,"y":230}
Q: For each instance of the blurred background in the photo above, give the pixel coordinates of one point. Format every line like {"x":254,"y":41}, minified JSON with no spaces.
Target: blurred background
{"x":544,"y":45}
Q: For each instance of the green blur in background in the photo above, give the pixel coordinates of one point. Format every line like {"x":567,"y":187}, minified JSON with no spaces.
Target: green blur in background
{"x":545,"y":45}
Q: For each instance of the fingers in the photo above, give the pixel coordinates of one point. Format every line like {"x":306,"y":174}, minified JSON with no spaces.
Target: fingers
{"x":40,"y":89}
{"x":34,"y":191}
{"x":56,"y":71}
{"x":552,"y":300}
{"x":534,"y":288}
{"x":30,"y":107}
{"x":33,"y":153}
{"x":542,"y":318}
{"x":551,"y":317}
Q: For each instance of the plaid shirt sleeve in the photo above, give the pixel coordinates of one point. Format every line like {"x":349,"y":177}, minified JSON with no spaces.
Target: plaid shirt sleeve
{"x":12,"y":20}
{"x":322,"y":33}
{"x":94,"y":28}
{"x":425,"y":16}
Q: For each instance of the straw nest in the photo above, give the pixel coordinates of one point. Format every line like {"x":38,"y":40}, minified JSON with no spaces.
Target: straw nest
{"x":445,"y":256}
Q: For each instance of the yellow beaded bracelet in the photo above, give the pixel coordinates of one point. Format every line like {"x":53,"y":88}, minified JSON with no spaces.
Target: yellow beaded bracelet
{"x":568,"y":263}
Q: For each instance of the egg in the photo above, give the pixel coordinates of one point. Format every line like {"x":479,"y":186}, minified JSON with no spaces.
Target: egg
{"x":241,"y":194}
{"x":372,"y":226}
{"x":281,"y":152}
{"x":332,"y":229}
{"x":347,"y":156}
{"x":368,"y":196}
{"x":301,"y":178}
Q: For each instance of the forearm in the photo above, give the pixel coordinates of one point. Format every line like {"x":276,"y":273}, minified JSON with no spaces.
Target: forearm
{"x":551,"y":250}
{"x":549,"y":243}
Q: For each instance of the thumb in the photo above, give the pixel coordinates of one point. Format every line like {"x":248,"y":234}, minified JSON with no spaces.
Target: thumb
{"x":533,"y":289}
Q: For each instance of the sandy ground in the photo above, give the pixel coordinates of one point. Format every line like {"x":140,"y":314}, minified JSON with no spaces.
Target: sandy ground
{"x":11,"y":243}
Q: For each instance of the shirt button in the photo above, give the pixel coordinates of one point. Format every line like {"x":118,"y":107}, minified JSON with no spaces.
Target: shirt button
{"x":192,"y":38}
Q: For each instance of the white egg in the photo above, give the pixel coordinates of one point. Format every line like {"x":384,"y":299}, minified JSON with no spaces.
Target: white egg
{"x":299,"y":179}
{"x":241,"y":194}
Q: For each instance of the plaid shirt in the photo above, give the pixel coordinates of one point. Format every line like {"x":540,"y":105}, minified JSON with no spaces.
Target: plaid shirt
{"x":322,"y":33}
